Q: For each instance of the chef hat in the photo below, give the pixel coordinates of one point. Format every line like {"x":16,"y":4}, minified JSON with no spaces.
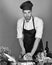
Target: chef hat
{"x":27,"y":5}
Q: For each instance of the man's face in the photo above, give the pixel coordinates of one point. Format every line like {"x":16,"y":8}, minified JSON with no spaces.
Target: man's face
{"x":27,"y":14}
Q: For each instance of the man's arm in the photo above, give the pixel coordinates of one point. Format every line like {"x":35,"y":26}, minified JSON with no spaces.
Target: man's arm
{"x":38,"y":36}
{"x":35,"y":46}
{"x":29,"y":55}
{"x":22,"y":45}
{"x":20,"y":34}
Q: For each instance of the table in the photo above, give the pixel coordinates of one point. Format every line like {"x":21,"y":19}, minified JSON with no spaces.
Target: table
{"x":26,"y":62}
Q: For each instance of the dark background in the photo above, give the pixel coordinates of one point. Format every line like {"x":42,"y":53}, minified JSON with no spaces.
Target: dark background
{"x":10,"y":13}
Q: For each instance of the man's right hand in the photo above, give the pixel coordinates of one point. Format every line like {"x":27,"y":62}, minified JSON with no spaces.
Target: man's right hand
{"x":23,"y":51}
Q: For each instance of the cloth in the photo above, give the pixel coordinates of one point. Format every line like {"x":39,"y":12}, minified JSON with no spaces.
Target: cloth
{"x":29,"y":25}
{"x":10,"y":58}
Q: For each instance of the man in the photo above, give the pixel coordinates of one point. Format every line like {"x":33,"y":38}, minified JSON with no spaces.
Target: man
{"x":29,"y":31}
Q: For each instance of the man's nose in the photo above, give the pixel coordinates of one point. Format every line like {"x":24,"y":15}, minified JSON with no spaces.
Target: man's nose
{"x":27,"y":14}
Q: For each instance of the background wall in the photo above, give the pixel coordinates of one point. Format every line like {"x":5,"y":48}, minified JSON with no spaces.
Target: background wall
{"x":10,"y":13}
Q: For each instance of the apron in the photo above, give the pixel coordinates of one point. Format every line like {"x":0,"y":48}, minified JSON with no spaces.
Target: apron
{"x":29,"y":39}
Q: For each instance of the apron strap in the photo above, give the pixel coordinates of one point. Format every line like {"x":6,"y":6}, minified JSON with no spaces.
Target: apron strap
{"x":33,"y":22}
{"x":23,"y":23}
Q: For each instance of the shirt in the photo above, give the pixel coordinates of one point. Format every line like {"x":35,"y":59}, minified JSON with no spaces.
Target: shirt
{"x":29,"y":26}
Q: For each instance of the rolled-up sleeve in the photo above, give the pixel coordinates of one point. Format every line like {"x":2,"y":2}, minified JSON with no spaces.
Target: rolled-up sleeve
{"x":19,"y":29}
{"x":39,"y":29}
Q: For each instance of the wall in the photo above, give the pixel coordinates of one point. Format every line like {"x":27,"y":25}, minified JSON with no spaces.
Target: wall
{"x":10,"y":13}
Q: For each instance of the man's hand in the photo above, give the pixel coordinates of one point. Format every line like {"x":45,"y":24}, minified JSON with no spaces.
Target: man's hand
{"x":22,"y":46}
{"x":23,"y":51}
